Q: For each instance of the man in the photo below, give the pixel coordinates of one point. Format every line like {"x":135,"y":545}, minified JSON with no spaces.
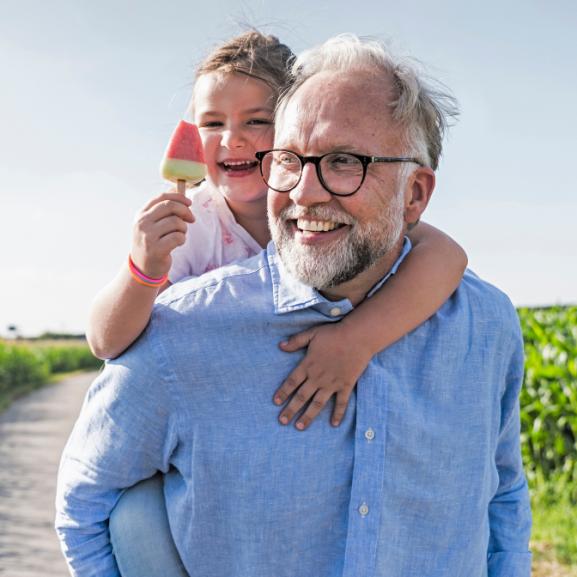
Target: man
{"x":423,"y":478}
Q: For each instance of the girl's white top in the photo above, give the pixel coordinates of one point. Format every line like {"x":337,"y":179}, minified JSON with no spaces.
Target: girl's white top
{"x":213,"y":239}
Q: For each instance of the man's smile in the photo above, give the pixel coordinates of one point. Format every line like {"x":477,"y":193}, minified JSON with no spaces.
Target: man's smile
{"x":307,"y":231}
{"x":317,"y":225}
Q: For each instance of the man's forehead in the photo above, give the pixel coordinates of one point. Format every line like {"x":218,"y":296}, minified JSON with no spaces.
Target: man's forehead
{"x":334,"y":111}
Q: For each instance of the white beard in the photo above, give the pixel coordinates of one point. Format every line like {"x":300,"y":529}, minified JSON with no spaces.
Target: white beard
{"x":329,"y":266}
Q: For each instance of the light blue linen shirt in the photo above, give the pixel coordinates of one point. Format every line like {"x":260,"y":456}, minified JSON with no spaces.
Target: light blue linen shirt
{"x":422,"y":479}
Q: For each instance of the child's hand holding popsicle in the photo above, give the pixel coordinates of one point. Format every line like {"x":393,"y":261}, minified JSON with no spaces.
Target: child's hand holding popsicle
{"x":162,"y":224}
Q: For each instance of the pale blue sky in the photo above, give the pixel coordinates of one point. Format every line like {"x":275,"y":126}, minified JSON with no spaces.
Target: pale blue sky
{"x":90,"y":91}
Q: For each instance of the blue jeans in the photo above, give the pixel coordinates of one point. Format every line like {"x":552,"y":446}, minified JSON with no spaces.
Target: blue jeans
{"x":140,"y":533}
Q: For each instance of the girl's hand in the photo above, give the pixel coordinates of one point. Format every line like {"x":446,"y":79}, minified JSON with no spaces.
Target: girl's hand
{"x":331,"y":366}
{"x":158,"y":229}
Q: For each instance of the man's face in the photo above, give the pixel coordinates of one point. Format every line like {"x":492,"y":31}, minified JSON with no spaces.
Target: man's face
{"x":326,"y":240}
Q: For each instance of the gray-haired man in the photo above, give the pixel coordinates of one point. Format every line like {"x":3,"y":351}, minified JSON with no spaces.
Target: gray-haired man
{"x":424,"y":476}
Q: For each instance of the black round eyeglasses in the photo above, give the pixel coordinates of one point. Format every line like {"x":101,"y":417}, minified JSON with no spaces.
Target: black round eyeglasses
{"x":340,"y":173}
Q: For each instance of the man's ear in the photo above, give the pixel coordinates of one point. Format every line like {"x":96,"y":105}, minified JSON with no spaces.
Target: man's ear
{"x":419,"y":189}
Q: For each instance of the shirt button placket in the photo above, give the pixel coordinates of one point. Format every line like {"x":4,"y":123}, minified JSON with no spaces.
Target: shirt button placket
{"x":364,"y":508}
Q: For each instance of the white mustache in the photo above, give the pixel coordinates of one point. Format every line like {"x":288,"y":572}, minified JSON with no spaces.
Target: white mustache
{"x":316,"y":213}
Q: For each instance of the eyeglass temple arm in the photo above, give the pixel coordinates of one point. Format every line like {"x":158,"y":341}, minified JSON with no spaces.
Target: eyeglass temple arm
{"x":396,"y":159}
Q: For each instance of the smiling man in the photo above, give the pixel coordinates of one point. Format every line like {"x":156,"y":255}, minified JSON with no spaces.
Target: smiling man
{"x":341,"y":223}
{"x":422,"y":479}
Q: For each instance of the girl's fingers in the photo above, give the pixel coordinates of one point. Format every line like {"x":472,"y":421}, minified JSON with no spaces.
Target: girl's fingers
{"x":301,"y":397}
{"x":170,"y":241}
{"x":341,"y":404}
{"x":290,"y":385}
{"x":152,"y":245}
{"x":298,"y":341}
{"x":148,"y":239}
{"x":147,"y":219}
{"x":168,"y":208}
{"x":316,"y":405}
{"x":168,"y":225}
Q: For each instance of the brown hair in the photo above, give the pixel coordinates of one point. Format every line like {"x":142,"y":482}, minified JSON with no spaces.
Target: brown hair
{"x":254,"y":54}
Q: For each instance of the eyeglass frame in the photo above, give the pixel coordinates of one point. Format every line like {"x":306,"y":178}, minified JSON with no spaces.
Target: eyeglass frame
{"x":316,"y":160}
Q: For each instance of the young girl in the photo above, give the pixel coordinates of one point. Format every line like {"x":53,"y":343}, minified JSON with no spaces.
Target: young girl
{"x":233,"y":104}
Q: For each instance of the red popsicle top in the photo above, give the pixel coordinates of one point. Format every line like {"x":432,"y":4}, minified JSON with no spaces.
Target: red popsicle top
{"x":185,"y":143}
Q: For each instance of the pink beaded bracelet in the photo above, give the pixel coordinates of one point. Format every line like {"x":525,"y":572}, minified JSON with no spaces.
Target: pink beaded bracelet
{"x":143,"y":279}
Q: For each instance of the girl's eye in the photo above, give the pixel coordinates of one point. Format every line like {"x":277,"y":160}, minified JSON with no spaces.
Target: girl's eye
{"x":211,"y":124}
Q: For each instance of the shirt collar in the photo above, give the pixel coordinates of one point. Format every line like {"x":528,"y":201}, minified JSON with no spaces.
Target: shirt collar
{"x":290,"y":294}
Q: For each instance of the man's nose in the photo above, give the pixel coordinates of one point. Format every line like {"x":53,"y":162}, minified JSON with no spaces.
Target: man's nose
{"x":309,"y":190}
{"x":232,"y":138}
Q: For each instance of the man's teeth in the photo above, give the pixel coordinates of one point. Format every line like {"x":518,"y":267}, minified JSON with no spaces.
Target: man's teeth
{"x":317,"y":225}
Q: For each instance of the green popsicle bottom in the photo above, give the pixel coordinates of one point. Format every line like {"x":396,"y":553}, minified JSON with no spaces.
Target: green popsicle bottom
{"x":177,"y":169}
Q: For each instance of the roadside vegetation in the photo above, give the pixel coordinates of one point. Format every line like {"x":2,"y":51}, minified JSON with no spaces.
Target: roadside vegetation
{"x":549,"y":432}
{"x":26,"y":365}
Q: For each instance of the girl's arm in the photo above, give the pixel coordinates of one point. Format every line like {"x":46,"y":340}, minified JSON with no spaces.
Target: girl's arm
{"x":338,"y":353}
{"x":122,"y":309}
{"x":119,"y":314}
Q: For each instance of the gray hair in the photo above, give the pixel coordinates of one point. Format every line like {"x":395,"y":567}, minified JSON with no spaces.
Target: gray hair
{"x":422,"y":106}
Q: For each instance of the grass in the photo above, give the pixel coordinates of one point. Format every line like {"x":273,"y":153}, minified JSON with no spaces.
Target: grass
{"x":545,"y":565}
{"x":554,"y":533}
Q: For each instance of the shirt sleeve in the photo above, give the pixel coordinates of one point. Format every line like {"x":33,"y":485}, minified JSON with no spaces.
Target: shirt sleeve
{"x":510,"y":510}
{"x":123,"y":435}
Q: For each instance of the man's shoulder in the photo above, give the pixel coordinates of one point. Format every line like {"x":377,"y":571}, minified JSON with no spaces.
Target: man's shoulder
{"x":484,"y":295}
{"x":196,"y":312}
{"x":234,"y":281}
{"x":484,"y":303}
{"x":477,"y":327}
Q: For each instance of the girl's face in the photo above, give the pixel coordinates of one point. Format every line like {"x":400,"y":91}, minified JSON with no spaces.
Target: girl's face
{"x":234,"y":114}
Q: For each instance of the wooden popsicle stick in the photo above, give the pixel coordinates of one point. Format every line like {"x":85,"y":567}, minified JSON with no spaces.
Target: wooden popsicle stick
{"x":181,"y":186}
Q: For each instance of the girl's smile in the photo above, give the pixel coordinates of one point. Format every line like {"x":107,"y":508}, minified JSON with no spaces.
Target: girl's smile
{"x":237,"y":168}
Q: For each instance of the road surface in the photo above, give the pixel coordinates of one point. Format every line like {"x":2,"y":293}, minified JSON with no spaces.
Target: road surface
{"x":33,"y":431}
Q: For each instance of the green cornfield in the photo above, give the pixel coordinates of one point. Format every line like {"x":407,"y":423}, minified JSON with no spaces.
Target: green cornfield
{"x":549,"y":397}
{"x":549,"y":435}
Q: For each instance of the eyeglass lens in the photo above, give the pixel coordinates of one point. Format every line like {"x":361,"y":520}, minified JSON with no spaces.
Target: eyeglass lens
{"x":341,"y":173}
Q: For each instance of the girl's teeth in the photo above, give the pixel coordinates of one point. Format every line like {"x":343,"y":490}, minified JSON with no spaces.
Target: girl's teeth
{"x":239,"y":163}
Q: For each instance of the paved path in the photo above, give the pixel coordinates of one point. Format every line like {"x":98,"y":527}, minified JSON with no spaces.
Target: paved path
{"x":32,"y":435}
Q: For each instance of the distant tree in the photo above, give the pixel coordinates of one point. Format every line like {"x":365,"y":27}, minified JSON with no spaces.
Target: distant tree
{"x":60,"y":336}
{"x":13,"y":331}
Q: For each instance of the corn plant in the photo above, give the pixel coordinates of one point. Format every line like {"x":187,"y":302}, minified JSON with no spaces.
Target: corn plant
{"x":549,"y":396}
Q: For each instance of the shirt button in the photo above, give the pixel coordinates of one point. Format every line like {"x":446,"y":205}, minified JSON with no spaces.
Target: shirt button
{"x":369,"y":434}
{"x":335,"y":312}
{"x":364,"y":510}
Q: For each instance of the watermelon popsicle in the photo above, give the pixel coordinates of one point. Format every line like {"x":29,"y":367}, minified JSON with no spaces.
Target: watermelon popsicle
{"x":183,"y":161}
